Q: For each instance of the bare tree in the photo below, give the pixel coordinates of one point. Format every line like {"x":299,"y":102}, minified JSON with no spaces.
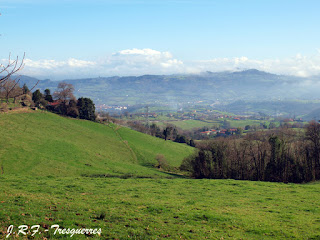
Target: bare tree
{"x":65,"y":95}
{"x":313,"y":135}
{"x":10,"y":89}
{"x":64,"y":92}
{"x":12,"y":67}
{"x":9,"y":80}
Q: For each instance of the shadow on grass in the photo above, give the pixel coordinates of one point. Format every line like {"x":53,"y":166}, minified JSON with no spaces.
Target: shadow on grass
{"x":127,"y":176}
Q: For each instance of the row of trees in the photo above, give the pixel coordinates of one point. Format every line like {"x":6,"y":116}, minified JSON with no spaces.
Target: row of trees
{"x":282,"y":155}
{"x":169,"y":132}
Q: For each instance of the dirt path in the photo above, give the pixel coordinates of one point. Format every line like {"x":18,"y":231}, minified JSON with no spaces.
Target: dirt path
{"x":125,"y":142}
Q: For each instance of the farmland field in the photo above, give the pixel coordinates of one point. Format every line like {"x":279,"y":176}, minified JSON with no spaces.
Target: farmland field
{"x":189,"y":124}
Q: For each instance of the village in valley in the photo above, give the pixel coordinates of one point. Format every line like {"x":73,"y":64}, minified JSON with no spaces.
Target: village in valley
{"x":196,"y":122}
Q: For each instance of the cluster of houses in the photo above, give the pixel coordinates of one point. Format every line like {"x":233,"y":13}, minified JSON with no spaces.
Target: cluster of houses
{"x":292,"y":120}
{"x":150,"y":115}
{"x":54,"y":103}
{"x":112,"y":107}
{"x":228,"y":131}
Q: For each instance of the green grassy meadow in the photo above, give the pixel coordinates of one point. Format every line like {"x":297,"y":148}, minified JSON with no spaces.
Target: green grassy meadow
{"x":190,"y":124}
{"x":162,"y":208}
{"x":79,"y":174}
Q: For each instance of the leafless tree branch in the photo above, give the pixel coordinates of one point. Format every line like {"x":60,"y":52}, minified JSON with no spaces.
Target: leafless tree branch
{"x":11,"y":68}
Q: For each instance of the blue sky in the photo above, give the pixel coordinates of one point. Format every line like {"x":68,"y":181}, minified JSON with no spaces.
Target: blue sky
{"x":87,"y":38}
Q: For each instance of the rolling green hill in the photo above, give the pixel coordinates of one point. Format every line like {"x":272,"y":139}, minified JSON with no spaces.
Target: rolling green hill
{"x":42,"y":144}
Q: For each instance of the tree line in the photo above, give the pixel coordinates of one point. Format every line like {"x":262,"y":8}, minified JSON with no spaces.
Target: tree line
{"x":281,"y":155}
{"x":168,"y":132}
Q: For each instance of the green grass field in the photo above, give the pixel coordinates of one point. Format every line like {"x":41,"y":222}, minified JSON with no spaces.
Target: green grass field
{"x":46,"y":144}
{"x":189,"y":124}
{"x":79,"y":174}
{"x":9,"y":105}
{"x":163,"y":208}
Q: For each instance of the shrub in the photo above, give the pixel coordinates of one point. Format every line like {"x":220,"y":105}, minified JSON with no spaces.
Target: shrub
{"x":3,"y":107}
{"x":186,"y":164}
{"x":162,"y":162}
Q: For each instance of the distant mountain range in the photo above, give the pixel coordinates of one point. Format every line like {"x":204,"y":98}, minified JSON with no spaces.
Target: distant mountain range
{"x":208,"y":87}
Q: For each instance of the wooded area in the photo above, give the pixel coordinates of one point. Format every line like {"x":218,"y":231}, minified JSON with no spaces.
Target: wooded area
{"x":282,"y":155}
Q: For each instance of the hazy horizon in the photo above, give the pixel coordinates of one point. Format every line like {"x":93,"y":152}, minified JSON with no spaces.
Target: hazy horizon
{"x":54,"y":78}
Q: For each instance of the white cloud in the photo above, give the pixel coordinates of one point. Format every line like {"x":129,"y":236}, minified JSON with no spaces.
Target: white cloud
{"x":145,"y":51}
{"x":52,"y":64}
{"x":79,"y":63}
{"x":141,"y":61}
{"x":141,"y":56}
{"x":58,"y":69}
{"x":148,"y":61}
{"x":298,"y":65}
{"x":172,"y":63}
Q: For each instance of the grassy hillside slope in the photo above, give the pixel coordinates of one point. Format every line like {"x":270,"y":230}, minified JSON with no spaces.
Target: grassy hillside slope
{"x":146,"y":149}
{"x":41,"y":143}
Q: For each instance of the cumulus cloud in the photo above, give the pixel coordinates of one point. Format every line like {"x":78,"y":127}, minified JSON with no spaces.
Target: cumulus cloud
{"x":58,"y":69}
{"x":148,"y":61}
{"x":52,"y":64}
{"x":145,"y":52}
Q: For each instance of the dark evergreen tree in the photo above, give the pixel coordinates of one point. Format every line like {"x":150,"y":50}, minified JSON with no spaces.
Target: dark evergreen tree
{"x":182,"y":139}
{"x":25,"y":89}
{"x":247,"y":127}
{"x":167,"y":132}
{"x":192,"y":143}
{"x":86,"y":109}
{"x":47,"y":95}
{"x":36,"y":97}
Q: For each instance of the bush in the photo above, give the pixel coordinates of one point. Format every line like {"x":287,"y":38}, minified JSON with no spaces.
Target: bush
{"x":3,"y":107}
{"x":162,"y":162}
{"x":186,"y":164}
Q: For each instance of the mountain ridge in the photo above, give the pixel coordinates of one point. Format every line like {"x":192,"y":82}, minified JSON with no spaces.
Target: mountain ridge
{"x":251,"y":84}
